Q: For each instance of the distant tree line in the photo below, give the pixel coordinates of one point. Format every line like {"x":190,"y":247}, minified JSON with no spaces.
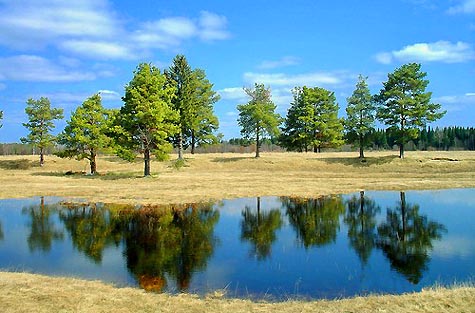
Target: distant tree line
{"x":446,"y":138}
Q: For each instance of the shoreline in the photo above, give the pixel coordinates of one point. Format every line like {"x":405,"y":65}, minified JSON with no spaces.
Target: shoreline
{"x":24,"y":292}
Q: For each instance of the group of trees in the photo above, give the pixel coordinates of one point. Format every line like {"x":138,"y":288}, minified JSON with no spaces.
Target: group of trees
{"x":160,"y":110}
{"x":175,"y":109}
{"x":312,"y":120}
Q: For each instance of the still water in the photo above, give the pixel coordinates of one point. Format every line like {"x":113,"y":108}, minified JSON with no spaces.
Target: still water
{"x":268,"y":247}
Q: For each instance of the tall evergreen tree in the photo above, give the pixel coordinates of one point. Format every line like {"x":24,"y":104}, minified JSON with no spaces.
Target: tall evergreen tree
{"x":360,"y":113}
{"x":147,"y":119}
{"x":194,"y":100}
{"x":257,"y":118}
{"x":1,"y":118}
{"x":405,"y":105}
{"x":293,"y":131}
{"x":86,"y":132}
{"x":180,"y":75}
{"x":40,"y":124}
{"x":203,"y":121}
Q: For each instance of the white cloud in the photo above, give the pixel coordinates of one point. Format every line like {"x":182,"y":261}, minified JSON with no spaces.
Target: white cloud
{"x":232,"y":93}
{"x":27,"y":23}
{"x":466,"y":6}
{"x":109,"y":94}
{"x":309,"y":79}
{"x":457,"y":103}
{"x":90,"y":28}
{"x":97,"y":49}
{"x":384,"y":57}
{"x":440,"y":51}
{"x":38,"y":69}
{"x":285,"y":61}
{"x":170,"y":32}
{"x":212,"y":26}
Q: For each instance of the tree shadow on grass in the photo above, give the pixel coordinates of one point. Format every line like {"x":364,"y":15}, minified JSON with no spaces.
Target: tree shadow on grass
{"x":357,"y":162}
{"x":77,"y":175}
{"x":229,"y":160}
{"x":21,"y":164}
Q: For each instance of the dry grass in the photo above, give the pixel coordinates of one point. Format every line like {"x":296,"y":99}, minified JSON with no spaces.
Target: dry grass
{"x":220,"y":176}
{"x":21,"y":292}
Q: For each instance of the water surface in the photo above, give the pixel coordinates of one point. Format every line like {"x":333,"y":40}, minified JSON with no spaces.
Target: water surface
{"x":274,"y":247}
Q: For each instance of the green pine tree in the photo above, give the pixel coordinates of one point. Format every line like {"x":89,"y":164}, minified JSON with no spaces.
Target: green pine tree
{"x":405,"y":105}
{"x":86,"y":132}
{"x":40,"y":124}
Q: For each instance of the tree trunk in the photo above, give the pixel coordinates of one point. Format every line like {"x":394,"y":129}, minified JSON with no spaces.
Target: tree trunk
{"x":361,"y":148}
{"x":257,"y":144}
{"x":92,"y":162}
{"x":180,"y":145}
{"x":146,"y":158}
{"x":403,"y":215}
{"x":401,"y":151}
{"x":42,"y":157}
{"x":193,"y":142}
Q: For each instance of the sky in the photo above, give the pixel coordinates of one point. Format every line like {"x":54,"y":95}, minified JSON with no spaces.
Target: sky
{"x":70,"y":50}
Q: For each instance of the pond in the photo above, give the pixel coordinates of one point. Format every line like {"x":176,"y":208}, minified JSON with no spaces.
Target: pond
{"x":268,"y":247}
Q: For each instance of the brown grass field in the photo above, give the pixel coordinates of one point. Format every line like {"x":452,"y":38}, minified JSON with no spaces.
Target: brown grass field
{"x":223,"y":176}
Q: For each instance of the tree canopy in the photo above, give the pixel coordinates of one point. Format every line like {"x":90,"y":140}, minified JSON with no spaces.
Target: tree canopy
{"x":86,"y":132}
{"x":146,"y":120}
{"x":312,"y":121}
{"x":257,"y":118}
{"x":404,"y":104}
{"x":40,"y":124}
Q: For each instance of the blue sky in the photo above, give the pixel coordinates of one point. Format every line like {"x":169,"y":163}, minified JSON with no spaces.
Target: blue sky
{"x":69,"y":50}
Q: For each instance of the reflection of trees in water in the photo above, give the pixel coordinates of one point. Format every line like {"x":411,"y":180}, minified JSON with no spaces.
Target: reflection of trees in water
{"x":316,"y":221}
{"x":172,"y":242}
{"x":361,"y":220}
{"x":1,"y":231}
{"x":42,"y":229}
{"x":259,"y":229}
{"x":406,"y":239}
{"x":90,"y":227}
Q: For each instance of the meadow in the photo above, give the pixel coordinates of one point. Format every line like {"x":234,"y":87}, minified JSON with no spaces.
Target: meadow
{"x":218,"y":176}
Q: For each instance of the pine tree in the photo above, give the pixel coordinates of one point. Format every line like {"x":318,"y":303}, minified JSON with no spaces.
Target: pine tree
{"x":405,"y":105}
{"x":86,"y":132}
{"x":147,"y":119}
{"x":257,"y":118}
{"x":40,"y":124}
{"x":360,"y":113}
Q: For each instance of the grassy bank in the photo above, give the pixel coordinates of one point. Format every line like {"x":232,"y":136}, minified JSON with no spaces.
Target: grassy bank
{"x":219,"y":176}
{"x":21,"y":292}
